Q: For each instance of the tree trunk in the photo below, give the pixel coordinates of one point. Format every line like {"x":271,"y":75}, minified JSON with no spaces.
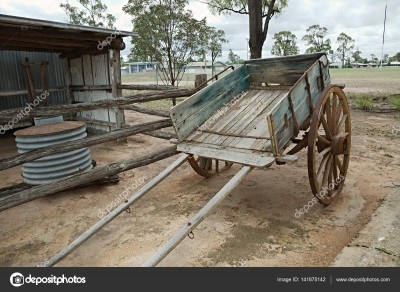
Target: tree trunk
{"x":256,"y":29}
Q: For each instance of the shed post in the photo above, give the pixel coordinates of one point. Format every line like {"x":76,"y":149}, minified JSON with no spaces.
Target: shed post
{"x":115,"y":78}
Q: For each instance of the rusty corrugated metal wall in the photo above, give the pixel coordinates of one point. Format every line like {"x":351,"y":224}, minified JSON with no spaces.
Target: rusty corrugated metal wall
{"x":12,"y":77}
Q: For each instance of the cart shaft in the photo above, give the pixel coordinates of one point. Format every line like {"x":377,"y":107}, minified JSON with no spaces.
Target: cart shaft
{"x":199,"y":217}
{"x":121,"y":208}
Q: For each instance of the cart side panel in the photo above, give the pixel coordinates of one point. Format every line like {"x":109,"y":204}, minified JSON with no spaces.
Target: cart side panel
{"x":284,"y":122}
{"x":283,"y":70}
{"x":189,"y":115}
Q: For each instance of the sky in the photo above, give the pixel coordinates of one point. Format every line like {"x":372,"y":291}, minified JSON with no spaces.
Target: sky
{"x":362,"y":20}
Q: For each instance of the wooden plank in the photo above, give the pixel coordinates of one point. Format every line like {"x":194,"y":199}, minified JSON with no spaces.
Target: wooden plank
{"x":282,"y":78}
{"x":241,"y":123}
{"x":68,"y":80}
{"x":192,"y":123}
{"x":115,"y":77}
{"x":76,"y":71}
{"x":202,"y":98}
{"x":100,"y":67}
{"x":245,"y":157}
{"x":301,"y":104}
{"x":145,"y":87}
{"x":87,"y":70}
{"x":74,"y":145}
{"x":286,"y":59}
{"x":259,"y":125}
{"x":226,"y":124}
{"x":220,"y":122}
{"x":84,"y":178}
{"x":147,"y":111}
{"x":7,"y":115}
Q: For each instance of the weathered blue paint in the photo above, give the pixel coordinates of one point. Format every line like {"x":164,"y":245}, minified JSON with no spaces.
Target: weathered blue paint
{"x":194,"y":111}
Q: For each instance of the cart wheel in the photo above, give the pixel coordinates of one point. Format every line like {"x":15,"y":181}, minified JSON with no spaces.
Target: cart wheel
{"x":207,"y":167}
{"x":329,"y":144}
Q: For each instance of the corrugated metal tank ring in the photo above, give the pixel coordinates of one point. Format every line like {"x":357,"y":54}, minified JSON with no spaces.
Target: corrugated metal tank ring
{"x":51,"y":168}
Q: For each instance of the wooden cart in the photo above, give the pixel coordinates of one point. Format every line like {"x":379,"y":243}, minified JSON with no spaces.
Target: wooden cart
{"x":255,"y":113}
{"x":263,"y":112}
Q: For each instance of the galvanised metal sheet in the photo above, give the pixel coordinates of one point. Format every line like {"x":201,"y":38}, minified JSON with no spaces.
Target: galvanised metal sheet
{"x":12,"y":77}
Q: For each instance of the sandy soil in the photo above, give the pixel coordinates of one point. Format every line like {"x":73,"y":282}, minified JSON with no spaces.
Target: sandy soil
{"x":254,"y":226}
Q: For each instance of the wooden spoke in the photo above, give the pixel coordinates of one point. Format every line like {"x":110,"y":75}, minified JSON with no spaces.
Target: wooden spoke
{"x":328,"y":111}
{"x":325,"y":166}
{"x":339,"y":164}
{"x":327,"y":171}
{"x":322,"y":165}
{"x":325,"y":151}
{"x":333,"y":126}
{"x":323,"y":140}
{"x":326,"y":127}
{"x":341,"y":123}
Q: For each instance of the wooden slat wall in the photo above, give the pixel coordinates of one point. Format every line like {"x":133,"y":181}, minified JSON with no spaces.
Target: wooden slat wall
{"x":194,"y":111}
{"x":300,"y":101}
{"x":284,"y":71}
{"x":91,"y":71}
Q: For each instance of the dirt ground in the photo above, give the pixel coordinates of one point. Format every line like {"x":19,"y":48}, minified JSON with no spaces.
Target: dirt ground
{"x":254,"y":226}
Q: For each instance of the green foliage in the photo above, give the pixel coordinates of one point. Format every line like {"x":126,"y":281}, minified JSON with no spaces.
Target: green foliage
{"x":284,"y":44}
{"x":394,"y":58}
{"x":259,"y":27}
{"x":170,"y":35}
{"x":363,"y":102}
{"x":315,"y":39}
{"x":226,"y":7}
{"x":91,"y":12}
{"x":395,"y":102}
{"x":357,"y":56}
{"x":233,"y":58}
{"x":216,"y":39}
{"x":345,"y":46}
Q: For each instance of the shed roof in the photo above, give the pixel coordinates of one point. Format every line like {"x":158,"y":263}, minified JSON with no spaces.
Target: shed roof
{"x":27,"y":34}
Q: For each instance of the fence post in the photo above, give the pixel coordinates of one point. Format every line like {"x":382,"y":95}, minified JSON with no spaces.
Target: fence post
{"x":201,"y":80}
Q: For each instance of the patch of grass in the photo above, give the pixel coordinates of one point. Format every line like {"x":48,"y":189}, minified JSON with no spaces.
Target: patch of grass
{"x":395,"y":102}
{"x":363,"y":101}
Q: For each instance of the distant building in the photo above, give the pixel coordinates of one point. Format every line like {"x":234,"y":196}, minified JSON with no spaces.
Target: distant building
{"x":395,"y":64}
{"x":335,"y":65}
{"x":360,"y":65}
{"x":139,"y":67}
{"x":124,"y":70}
{"x":204,"y":67}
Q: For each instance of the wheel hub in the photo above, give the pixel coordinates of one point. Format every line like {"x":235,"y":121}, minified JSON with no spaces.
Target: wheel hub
{"x":339,"y":144}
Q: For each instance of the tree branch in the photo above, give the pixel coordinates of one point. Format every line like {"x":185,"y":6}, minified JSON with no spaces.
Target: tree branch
{"x":242,"y":10}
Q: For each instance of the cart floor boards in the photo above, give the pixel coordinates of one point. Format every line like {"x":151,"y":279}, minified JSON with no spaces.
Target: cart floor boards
{"x":238,"y":132}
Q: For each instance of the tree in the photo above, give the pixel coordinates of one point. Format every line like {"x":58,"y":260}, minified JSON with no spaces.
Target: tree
{"x":92,"y":13}
{"x":395,"y":57}
{"x":315,"y":39}
{"x":168,"y":35}
{"x":260,"y":13}
{"x":285,"y":44}
{"x":345,"y":46}
{"x":374,"y":59}
{"x":386,"y":58}
{"x":357,"y":56}
{"x":233,"y":58}
{"x":216,"y":39}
